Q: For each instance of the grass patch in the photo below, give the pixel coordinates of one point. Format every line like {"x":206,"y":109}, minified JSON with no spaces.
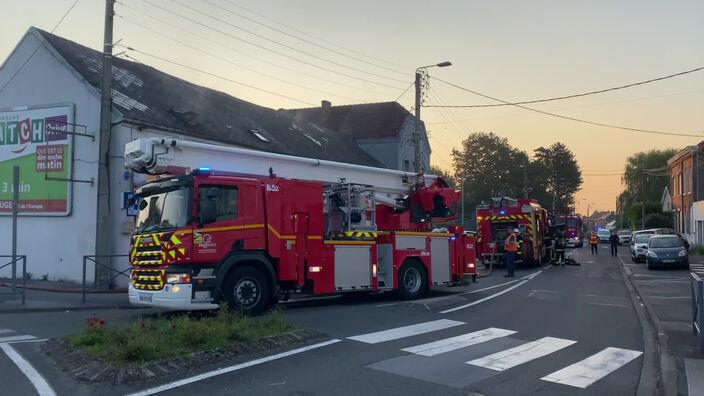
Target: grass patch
{"x":162,"y":338}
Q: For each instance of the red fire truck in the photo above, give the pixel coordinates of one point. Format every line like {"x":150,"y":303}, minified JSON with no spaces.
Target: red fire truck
{"x":573,"y":226}
{"x":264,"y":225}
{"x":496,"y":219}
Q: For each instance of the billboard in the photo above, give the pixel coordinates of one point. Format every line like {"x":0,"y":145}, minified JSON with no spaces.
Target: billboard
{"x":32,"y":138}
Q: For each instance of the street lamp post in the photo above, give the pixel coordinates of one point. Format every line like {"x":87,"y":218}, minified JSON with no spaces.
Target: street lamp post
{"x":462,"y":199}
{"x":417,"y":134}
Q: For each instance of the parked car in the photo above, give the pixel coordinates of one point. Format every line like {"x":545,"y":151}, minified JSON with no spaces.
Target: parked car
{"x":666,"y":250}
{"x":603,"y":235}
{"x":639,"y":248}
{"x":624,"y":237}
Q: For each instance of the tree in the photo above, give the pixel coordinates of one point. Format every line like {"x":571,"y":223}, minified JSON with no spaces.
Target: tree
{"x":634,"y":178}
{"x":489,"y":166}
{"x":436,"y":170}
{"x":641,"y":186}
{"x":562,"y":177}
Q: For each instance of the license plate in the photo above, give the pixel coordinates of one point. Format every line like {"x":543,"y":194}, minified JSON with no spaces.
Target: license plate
{"x":491,"y":246}
{"x":144,"y":297}
{"x":668,"y":261}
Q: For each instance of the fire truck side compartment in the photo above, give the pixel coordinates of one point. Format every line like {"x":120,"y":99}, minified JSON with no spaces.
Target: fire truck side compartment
{"x":440,"y":259}
{"x":353,"y":267}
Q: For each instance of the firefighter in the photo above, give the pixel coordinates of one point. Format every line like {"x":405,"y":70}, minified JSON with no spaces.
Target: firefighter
{"x":510,"y":249}
{"x":547,"y":242}
{"x":560,"y":246}
{"x":594,"y":244}
{"x":613,"y":239}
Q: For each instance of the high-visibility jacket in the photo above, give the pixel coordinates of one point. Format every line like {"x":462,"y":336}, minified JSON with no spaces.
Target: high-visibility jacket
{"x":593,"y":239}
{"x":511,"y":243}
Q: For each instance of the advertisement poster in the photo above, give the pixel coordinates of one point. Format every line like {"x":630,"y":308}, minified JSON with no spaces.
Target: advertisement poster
{"x":32,"y":138}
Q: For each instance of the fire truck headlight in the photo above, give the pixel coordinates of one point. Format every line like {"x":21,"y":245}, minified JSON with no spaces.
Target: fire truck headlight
{"x":175,"y":289}
{"x":178,"y":278}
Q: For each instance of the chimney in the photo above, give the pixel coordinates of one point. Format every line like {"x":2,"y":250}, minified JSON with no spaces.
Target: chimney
{"x":325,"y":106}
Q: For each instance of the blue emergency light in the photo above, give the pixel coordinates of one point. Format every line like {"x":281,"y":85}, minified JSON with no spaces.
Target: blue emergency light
{"x":502,"y":212}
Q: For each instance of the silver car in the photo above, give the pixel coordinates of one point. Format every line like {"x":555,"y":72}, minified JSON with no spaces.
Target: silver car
{"x":639,"y":247}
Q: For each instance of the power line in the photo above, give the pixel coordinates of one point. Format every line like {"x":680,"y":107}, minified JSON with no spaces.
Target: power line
{"x":302,"y":39}
{"x":580,"y":94}
{"x":567,"y":117}
{"x":233,"y":63}
{"x":311,"y":36}
{"x":268,"y":49}
{"x":585,"y":106}
{"x":249,"y":55}
{"x":404,"y":91}
{"x":284,"y":45}
{"x":218,"y":76}
{"x":12,"y":77}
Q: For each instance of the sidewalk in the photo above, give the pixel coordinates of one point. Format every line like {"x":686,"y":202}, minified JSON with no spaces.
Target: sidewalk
{"x":51,"y":296}
{"x":666,"y":295}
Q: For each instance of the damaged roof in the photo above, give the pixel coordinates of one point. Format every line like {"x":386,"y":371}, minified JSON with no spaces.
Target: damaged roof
{"x":361,"y":121}
{"x":148,"y":97}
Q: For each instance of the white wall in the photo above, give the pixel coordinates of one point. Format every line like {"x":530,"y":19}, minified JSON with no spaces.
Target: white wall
{"x":407,"y":149}
{"x":54,"y":245}
{"x":697,"y":223}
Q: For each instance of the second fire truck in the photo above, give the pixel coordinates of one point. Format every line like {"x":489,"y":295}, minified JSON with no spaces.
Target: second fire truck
{"x":496,"y":219}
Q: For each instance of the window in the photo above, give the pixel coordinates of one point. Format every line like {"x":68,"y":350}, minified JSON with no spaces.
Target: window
{"x":680,"y":181}
{"x":226,"y":202}
{"x":407,"y":165}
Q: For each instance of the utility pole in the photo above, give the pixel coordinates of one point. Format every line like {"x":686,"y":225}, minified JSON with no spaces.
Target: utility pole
{"x":642,"y":191}
{"x":102,"y":226}
{"x":417,"y":133}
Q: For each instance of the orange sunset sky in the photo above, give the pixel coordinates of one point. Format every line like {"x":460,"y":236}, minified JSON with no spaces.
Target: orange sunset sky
{"x":507,"y":49}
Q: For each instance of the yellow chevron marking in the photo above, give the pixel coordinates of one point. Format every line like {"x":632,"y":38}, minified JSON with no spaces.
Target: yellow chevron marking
{"x":182,"y":251}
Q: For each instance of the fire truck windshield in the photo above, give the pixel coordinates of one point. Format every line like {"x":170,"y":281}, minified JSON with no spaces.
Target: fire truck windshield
{"x":571,"y":223}
{"x":165,"y":210}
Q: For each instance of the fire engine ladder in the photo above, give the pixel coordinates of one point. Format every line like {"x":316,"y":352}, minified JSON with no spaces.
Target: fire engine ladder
{"x":158,"y":155}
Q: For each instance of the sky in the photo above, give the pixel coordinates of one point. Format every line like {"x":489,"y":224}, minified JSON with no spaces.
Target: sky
{"x":367,"y":51}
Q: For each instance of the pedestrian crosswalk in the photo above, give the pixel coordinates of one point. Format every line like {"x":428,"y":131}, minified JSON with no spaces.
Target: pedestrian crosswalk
{"x":697,"y":267}
{"x":480,"y":354}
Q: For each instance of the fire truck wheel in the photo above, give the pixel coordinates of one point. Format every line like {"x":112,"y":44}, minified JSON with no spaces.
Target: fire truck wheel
{"x":247,"y":290}
{"x":412,"y":281}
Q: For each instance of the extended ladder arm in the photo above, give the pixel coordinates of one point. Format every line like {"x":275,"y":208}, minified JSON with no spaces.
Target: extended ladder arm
{"x":156,"y":155}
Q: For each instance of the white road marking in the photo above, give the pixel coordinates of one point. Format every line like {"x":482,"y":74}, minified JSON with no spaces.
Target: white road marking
{"x":3,"y":331}
{"x":210,"y":374}
{"x":595,"y":367}
{"x":405,"y":331}
{"x":676,"y":297}
{"x":512,"y":357}
{"x":492,"y":287}
{"x":485,"y":298}
{"x":465,"y":340}
{"x":16,"y":338}
{"x":39,"y":383}
{"x":384,"y":305}
{"x":529,"y":276}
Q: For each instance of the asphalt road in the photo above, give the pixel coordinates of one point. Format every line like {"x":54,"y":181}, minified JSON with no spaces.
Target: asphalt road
{"x":551,"y":330}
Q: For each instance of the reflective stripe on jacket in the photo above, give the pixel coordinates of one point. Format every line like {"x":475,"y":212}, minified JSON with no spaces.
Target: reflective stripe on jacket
{"x":593,"y":240}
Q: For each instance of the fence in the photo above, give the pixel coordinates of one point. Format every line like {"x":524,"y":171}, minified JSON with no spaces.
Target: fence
{"x":698,"y":309}
{"x":117,"y":272}
{"x":13,"y":262}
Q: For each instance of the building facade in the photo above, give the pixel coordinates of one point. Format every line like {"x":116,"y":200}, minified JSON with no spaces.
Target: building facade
{"x":682,"y":190}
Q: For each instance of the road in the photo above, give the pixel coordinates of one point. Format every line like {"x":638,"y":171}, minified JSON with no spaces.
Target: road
{"x":551,"y":330}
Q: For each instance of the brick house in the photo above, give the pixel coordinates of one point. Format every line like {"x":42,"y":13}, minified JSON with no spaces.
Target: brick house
{"x":682,"y":188}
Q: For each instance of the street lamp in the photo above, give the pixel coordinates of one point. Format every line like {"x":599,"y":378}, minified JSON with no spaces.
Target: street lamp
{"x":416,"y":133}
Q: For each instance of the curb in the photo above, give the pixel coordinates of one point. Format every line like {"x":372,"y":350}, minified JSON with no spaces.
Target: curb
{"x":660,"y":368}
